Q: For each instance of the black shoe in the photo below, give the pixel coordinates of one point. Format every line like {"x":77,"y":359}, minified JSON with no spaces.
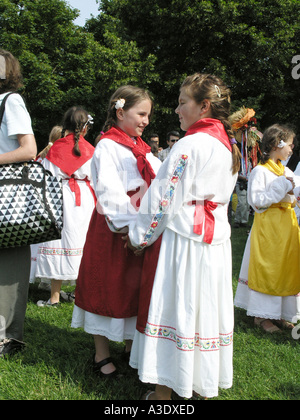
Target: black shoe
{"x":9,"y":346}
{"x":125,"y":355}
{"x":97,"y":369}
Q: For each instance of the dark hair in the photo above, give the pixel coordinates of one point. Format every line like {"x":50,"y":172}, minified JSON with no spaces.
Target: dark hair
{"x":173,"y":133}
{"x":132,"y":95}
{"x":10,"y":73}
{"x":154,"y":147}
{"x":75,"y":119}
{"x":272,"y":137}
{"x":210,"y":87}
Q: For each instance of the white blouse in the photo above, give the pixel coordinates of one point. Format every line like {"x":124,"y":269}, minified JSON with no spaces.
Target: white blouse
{"x":265,"y":188}
{"x":16,"y":120}
{"x":115,"y":173}
{"x":198,"y":170}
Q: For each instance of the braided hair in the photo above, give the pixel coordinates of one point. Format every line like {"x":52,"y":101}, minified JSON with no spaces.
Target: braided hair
{"x":210,"y":87}
{"x":74,"y":121}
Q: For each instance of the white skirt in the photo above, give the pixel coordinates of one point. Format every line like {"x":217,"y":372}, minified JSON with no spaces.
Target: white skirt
{"x":188,"y":341}
{"x":60,"y":259}
{"x":114,"y":329}
{"x":261,"y":305}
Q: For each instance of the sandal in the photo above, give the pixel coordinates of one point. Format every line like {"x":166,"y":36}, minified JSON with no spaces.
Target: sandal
{"x":284,"y":324}
{"x":68,"y":297}
{"x":258,"y":322}
{"x":147,"y":395}
{"x":97,"y":369}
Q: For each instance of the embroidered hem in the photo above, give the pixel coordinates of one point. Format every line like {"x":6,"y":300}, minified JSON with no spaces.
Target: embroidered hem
{"x":189,"y":344}
{"x":65,"y":252}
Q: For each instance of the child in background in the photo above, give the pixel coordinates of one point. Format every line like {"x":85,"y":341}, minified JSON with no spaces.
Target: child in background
{"x":54,"y":135}
{"x":69,"y":159}
{"x":270,"y":273}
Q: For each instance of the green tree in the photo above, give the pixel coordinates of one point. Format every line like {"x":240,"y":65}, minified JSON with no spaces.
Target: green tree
{"x":248,"y":44}
{"x":63,"y":65}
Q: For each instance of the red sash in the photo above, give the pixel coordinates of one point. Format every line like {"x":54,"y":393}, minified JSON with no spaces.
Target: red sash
{"x":203,"y":211}
{"x":139,"y":149}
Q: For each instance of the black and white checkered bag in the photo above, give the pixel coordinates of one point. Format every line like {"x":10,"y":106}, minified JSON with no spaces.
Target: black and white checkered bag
{"x":31,"y":205}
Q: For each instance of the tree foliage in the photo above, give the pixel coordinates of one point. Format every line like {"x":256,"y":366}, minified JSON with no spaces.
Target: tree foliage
{"x":154,"y":44}
{"x":63,"y":65}
{"x":248,"y":44}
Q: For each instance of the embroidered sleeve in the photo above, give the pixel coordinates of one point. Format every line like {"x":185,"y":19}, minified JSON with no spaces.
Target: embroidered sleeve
{"x":144,"y":232}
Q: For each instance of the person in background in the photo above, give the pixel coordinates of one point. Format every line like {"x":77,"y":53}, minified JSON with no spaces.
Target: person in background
{"x":17,"y":144}
{"x":54,"y":135}
{"x":154,"y":138}
{"x":242,"y":210}
{"x":269,"y":281}
{"x":154,"y":148}
{"x":172,"y":138}
{"x":70,"y":160}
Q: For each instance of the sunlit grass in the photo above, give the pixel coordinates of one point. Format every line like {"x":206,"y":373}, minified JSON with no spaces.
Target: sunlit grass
{"x":56,"y":362}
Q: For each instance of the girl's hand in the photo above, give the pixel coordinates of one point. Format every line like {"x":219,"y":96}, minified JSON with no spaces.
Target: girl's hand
{"x":137,"y":252}
{"x":293,"y":184}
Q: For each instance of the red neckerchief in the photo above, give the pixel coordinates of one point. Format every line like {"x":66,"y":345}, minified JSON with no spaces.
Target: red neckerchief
{"x":139,"y":149}
{"x":214,"y":128}
{"x":62,"y":155}
{"x":203,"y":210}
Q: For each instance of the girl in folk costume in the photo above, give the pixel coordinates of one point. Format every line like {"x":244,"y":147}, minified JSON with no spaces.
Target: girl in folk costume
{"x":123,"y":167}
{"x":184,"y":338}
{"x":270,"y":273}
{"x":54,"y":135}
{"x":69,"y":159}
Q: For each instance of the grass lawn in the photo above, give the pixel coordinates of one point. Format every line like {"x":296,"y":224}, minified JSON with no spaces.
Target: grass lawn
{"x":56,"y":362}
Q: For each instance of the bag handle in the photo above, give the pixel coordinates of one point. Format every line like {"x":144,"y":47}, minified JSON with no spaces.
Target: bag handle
{"x":2,"y":107}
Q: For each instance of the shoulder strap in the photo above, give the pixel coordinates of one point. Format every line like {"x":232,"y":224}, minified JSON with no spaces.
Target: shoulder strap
{"x":2,"y":107}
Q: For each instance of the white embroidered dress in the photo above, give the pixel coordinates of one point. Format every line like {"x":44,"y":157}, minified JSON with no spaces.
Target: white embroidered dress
{"x":188,"y":339}
{"x":264,"y":189}
{"x":60,"y":259}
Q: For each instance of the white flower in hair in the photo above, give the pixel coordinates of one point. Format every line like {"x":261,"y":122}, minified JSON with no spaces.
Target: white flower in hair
{"x":281,"y":144}
{"x":120,"y":103}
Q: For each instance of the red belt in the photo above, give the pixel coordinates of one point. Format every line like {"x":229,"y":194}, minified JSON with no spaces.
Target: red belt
{"x":203,"y":211}
{"x":76,"y":189}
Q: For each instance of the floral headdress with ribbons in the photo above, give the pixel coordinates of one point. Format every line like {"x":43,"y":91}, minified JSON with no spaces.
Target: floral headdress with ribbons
{"x":244,"y":125}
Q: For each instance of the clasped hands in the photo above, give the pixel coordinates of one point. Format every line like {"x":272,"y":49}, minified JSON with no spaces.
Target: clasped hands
{"x":293,"y":183}
{"x":137,"y":252}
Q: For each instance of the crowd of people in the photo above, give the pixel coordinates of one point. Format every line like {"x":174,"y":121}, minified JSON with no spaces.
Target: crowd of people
{"x":146,"y":235}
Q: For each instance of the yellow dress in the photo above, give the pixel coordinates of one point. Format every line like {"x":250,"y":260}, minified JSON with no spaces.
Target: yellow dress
{"x":274,"y":266}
